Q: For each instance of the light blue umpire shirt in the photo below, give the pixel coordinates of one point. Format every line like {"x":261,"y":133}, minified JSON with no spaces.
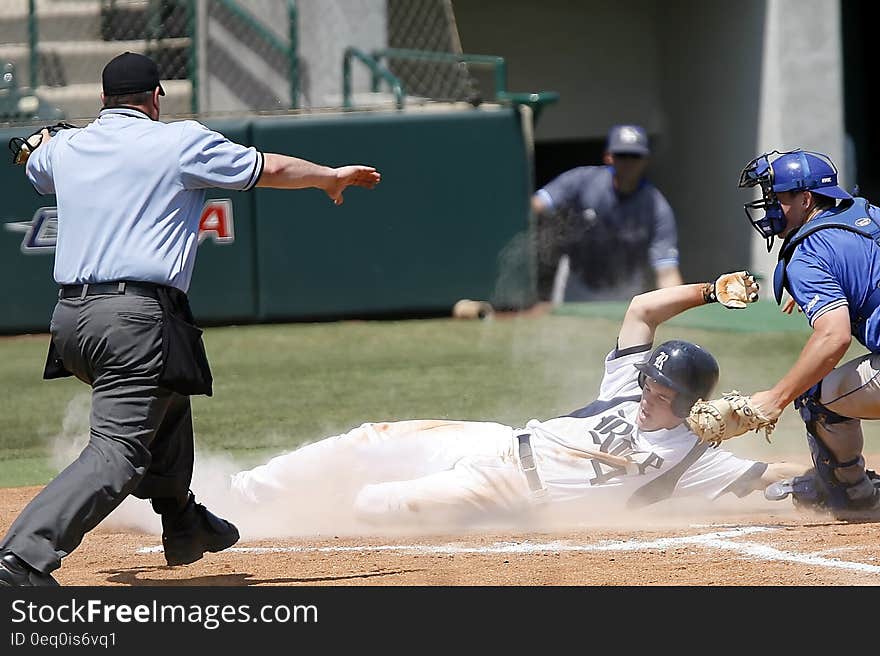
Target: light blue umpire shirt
{"x":130,"y":194}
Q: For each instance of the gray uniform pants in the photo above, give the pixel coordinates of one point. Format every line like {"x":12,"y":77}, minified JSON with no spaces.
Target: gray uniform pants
{"x":850,"y":390}
{"x":141,"y":439}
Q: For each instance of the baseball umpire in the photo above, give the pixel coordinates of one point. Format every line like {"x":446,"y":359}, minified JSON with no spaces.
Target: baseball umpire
{"x":130,"y":191}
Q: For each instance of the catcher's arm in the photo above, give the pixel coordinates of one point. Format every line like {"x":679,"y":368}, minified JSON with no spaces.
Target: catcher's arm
{"x":827,"y":345}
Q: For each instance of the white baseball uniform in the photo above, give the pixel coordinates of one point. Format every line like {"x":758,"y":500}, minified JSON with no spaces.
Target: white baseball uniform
{"x":411,"y":471}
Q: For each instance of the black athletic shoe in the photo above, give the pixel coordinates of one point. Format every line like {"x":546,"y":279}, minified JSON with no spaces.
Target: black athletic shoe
{"x":195,"y":530}
{"x":15,"y":573}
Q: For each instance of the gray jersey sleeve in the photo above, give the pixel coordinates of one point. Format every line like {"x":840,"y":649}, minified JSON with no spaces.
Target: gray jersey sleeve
{"x":663,"y":251}
{"x":563,"y":190}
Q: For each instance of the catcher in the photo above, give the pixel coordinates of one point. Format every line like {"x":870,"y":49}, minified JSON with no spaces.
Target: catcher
{"x":630,"y":448}
{"x":829,"y":263}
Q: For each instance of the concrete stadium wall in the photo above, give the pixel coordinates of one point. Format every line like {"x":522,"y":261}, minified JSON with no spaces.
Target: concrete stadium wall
{"x":801,"y":101}
{"x":601,"y":57}
{"x":711,"y":56}
{"x":714,"y":83}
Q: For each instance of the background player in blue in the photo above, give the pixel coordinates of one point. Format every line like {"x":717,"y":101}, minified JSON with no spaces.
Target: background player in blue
{"x":130,"y":191}
{"x":618,"y":232}
{"x":830,"y":264}
{"x":628,"y":449}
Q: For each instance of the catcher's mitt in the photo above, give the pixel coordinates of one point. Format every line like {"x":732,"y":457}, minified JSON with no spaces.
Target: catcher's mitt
{"x":733,"y":290}
{"x":730,"y":416}
{"x":22,"y":147}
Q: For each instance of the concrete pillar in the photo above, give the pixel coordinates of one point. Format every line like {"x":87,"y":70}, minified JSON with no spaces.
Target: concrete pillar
{"x":801,"y":100}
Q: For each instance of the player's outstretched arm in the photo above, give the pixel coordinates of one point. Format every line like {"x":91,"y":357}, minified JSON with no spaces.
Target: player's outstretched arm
{"x":775,"y":472}
{"x":285,"y":172}
{"x":779,"y":471}
{"x":647,"y":311}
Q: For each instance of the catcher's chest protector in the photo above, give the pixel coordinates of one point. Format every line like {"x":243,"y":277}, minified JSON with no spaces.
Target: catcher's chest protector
{"x":853,"y":217}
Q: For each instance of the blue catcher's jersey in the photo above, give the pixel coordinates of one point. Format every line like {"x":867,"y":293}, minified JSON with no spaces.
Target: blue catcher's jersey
{"x":835,"y":267}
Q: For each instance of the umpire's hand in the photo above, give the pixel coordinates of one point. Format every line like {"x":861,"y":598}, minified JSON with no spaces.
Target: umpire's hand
{"x":346,"y":176}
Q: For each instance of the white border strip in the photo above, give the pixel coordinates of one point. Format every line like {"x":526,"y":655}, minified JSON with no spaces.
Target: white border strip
{"x":715,"y":540}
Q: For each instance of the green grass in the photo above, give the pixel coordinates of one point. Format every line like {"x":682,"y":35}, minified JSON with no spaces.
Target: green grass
{"x":764,"y":316}
{"x":277,"y":386}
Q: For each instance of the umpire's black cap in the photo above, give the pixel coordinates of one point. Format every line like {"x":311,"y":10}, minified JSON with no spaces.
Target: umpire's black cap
{"x":130,"y":72}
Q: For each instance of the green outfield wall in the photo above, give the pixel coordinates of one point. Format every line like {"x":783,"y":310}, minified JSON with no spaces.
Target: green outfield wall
{"x":449,"y":220}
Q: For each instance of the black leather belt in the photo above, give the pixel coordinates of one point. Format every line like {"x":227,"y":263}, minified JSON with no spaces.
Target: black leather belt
{"x":104,"y":288}
{"x":527,"y":462}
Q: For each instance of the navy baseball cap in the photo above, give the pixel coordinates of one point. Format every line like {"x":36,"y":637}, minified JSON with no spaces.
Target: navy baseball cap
{"x":130,"y":72}
{"x":628,"y":140}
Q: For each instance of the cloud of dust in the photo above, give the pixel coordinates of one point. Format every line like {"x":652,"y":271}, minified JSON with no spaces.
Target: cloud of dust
{"x":319,"y":491}
{"x":318,"y":496}
{"x":66,"y":445}
{"x":317,"y":499}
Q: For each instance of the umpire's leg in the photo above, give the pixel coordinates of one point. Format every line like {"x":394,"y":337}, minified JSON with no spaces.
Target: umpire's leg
{"x":171,"y":464}
{"x":188,"y":528}
{"x":114,"y":342}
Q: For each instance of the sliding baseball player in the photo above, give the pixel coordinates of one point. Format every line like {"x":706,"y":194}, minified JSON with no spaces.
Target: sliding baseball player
{"x":629,"y":448}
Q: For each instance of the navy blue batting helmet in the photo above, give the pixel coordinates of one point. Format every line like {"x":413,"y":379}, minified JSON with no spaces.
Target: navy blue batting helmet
{"x":687,"y":368}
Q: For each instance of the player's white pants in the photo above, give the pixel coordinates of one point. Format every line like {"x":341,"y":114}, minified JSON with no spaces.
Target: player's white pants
{"x":402,"y":472}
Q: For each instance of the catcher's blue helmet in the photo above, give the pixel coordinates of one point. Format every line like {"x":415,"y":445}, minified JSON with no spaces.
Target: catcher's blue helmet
{"x":794,"y":170}
{"x":687,"y":368}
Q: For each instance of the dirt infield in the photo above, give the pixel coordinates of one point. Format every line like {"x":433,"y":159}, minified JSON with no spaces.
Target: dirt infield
{"x":744,"y":542}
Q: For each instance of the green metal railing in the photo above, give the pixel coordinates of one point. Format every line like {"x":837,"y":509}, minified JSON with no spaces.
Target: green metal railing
{"x":497,"y":63}
{"x":33,"y":40}
{"x":377,"y":70}
{"x":154,"y":33}
{"x":290,"y":52}
{"x":192,"y":56}
{"x":374,"y":61}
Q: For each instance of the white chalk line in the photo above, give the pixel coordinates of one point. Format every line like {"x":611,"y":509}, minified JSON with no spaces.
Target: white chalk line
{"x":715,"y":540}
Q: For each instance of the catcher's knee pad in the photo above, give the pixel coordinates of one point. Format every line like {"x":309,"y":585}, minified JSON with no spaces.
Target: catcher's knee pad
{"x":812,"y":411}
{"x":834,"y":493}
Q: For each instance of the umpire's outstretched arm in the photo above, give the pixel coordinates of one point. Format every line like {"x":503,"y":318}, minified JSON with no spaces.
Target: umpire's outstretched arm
{"x":285,"y":172}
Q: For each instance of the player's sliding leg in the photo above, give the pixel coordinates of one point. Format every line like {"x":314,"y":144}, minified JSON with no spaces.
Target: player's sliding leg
{"x":369,"y":453}
{"x":477,"y":490}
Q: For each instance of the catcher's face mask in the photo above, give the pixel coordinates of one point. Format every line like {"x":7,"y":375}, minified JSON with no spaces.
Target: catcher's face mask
{"x":764,"y":214}
{"x":793,"y":170}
